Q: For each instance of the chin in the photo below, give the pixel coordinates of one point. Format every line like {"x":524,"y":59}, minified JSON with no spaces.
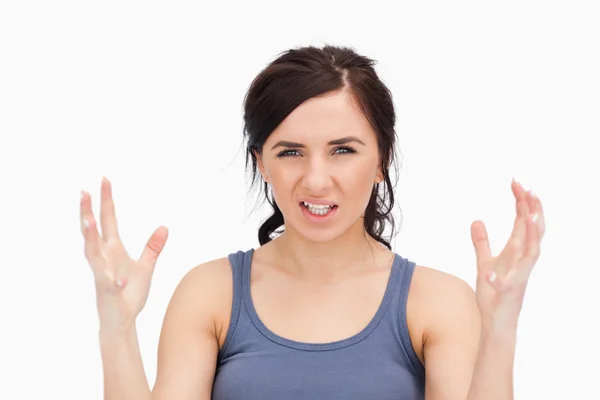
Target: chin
{"x":323,"y":233}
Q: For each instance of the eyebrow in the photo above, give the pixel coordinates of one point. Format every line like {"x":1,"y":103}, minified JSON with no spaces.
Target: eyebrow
{"x":344,"y":140}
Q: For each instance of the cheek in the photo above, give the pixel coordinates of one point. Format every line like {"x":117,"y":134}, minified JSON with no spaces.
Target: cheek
{"x":282,"y":181}
{"x":361,"y":174}
{"x":357,"y":184}
{"x":362,"y":186}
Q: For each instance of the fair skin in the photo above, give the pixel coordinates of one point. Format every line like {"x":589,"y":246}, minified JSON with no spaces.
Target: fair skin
{"x":454,"y":331}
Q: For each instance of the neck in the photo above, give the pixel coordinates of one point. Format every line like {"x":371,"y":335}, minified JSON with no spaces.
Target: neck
{"x":350,"y":253}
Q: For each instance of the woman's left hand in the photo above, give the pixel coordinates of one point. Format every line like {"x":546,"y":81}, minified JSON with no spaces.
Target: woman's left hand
{"x":502,"y":280}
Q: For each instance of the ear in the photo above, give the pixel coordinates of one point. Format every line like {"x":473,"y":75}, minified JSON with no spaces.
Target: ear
{"x":261,"y":166}
{"x":378,"y":176}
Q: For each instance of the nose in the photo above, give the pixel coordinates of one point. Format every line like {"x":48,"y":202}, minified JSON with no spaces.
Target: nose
{"x":317,"y":177}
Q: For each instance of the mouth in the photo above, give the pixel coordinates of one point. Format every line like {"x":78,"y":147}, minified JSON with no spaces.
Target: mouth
{"x":318,"y":210}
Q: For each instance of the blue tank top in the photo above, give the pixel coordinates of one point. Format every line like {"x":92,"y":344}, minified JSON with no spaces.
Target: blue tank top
{"x":378,"y":363}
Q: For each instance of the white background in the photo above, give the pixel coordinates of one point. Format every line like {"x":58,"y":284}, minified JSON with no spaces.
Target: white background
{"x":149,"y":94}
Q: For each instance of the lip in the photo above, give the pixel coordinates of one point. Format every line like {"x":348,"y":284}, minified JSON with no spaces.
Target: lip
{"x":315,"y":201}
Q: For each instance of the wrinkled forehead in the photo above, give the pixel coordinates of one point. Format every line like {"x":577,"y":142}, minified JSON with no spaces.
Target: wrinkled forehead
{"x":322,"y":119}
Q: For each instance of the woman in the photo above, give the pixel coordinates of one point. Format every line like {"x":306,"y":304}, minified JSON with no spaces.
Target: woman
{"x":323,"y":309}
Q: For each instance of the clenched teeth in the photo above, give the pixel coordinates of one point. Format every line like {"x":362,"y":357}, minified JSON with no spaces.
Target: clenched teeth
{"x":318,"y":209}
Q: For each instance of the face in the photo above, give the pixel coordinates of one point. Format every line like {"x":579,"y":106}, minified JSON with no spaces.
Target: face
{"x":322,"y":162}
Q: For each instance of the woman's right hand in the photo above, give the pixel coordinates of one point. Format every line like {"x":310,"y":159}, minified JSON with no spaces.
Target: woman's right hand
{"x":122,"y":284}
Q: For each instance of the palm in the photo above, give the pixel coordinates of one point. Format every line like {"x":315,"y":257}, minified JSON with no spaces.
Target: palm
{"x":502,"y":280}
{"x":118,"y":265}
{"x":135,"y":293}
{"x":122,"y":284}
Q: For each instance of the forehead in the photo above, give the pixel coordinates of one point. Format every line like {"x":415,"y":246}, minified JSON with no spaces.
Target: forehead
{"x":324,"y":118}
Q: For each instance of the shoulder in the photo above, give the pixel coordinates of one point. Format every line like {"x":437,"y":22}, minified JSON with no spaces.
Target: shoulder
{"x":207,"y":274}
{"x":204,"y":294}
{"x":434,"y":288}
{"x":206,"y":280}
{"x":440,"y":305}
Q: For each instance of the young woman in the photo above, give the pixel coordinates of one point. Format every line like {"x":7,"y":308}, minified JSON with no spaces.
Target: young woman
{"x":323,"y":309}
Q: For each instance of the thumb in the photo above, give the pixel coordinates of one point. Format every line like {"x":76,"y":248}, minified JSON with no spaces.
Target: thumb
{"x":154,"y":247}
{"x":480,"y":240}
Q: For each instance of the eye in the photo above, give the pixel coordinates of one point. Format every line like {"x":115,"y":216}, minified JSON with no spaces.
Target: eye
{"x":338,"y":150}
{"x":288,"y":153}
{"x":344,"y":149}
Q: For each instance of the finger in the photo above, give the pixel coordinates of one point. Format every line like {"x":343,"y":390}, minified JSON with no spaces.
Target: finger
{"x":532,"y":242}
{"x":154,"y":247}
{"x":85,"y":210}
{"x":89,"y":229}
{"x":93,"y":244}
{"x":522,"y":206}
{"x":520,"y":196}
{"x":86,"y":216}
{"x":108,"y":219}
{"x":514,"y":248}
{"x":479,"y":237}
{"x":537,"y":208}
{"x":519,"y":231}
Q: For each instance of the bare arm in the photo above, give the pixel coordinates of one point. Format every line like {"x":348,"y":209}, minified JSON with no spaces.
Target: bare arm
{"x":451,"y":335}
{"x":124,"y":376}
{"x":188,"y":345}
{"x":462,"y":360}
{"x":493,"y":376}
{"x":187,"y":353}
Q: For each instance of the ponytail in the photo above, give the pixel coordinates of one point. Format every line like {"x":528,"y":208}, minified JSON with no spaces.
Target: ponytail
{"x":272,"y":223}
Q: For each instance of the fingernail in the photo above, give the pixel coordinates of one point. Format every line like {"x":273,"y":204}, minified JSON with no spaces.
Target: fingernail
{"x":86,"y":223}
{"x":120,"y":282}
{"x":493,"y":277}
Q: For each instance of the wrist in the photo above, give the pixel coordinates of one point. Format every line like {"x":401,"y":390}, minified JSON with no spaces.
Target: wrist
{"x":494,"y":336}
{"x":109,"y":332}
{"x":499,"y":325}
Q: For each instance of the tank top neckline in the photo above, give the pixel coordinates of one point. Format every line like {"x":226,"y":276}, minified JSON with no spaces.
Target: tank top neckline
{"x":366,"y":331}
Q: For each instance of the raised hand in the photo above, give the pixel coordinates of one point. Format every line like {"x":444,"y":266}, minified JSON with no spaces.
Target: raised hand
{"x":122,"y":284}
{"x":502,"y":280}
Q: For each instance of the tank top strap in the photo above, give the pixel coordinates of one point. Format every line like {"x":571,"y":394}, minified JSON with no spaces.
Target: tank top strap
{"x":238,"y":262}
{"x":405,"y":269}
